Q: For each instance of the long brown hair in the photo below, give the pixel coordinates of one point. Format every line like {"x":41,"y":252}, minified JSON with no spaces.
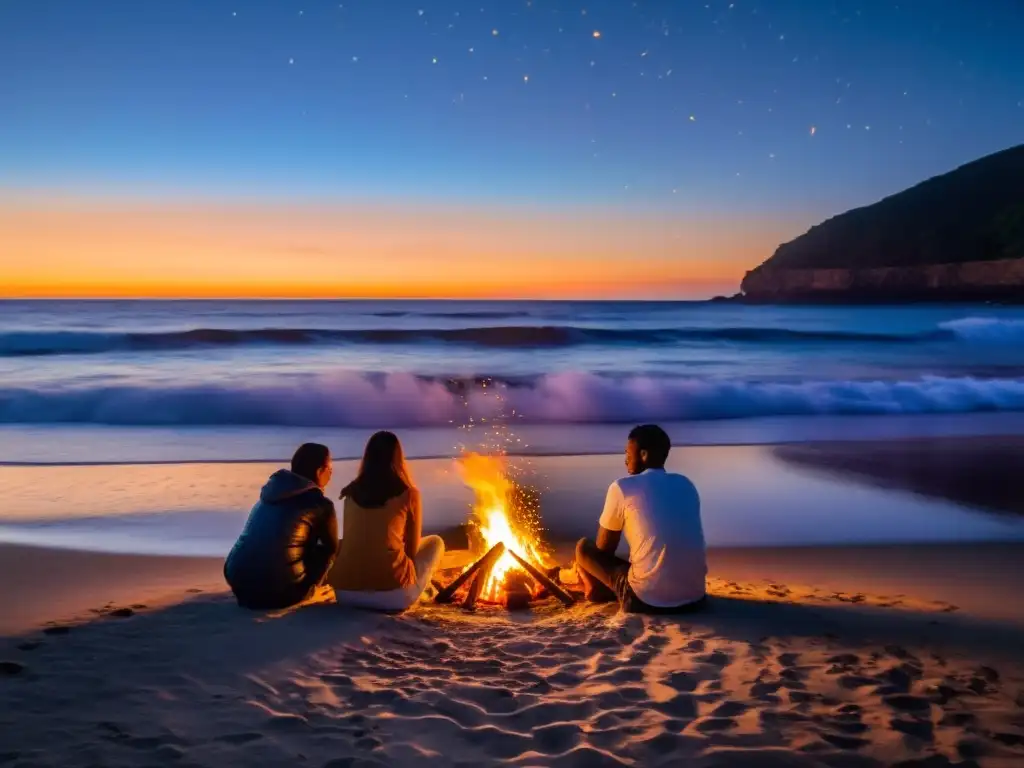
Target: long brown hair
{"x":383,"y":473}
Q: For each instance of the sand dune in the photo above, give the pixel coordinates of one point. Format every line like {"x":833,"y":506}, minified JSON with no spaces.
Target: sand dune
{"x":773,"y":675}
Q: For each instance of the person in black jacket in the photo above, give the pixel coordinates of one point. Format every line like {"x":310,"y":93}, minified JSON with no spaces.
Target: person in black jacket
{"x":291,"y":537}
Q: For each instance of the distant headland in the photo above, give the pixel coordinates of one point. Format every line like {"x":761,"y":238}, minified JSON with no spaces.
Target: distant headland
{"x":955,"y":237}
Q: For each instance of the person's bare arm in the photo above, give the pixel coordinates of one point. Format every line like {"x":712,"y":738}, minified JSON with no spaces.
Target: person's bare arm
{"x":608,"y":541}
{"x":413,"y":523}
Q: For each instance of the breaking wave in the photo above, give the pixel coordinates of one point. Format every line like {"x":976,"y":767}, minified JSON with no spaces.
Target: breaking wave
{"x":986,"y":329}
{"x":402,"y":400}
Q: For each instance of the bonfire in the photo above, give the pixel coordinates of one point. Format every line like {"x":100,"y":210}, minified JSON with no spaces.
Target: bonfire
{"x":505,"y":535}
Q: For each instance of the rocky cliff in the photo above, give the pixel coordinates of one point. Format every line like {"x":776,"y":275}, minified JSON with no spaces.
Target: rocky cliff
{"x":956,"y":237}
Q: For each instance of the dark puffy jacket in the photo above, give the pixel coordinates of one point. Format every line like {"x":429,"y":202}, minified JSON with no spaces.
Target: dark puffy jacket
{"x":286,"y":546}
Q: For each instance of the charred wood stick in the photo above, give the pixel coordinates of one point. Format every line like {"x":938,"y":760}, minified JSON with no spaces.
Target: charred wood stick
{"x":445,"y":595}
{"x":554,"y":589}
{"x":478,"y":584}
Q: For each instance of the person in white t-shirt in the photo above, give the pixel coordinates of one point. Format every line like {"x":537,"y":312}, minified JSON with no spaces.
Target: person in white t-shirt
{"x":658,"y":512}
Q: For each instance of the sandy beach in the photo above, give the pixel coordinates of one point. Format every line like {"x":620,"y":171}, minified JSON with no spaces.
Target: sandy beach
{"x":119,"y":660}
{"x":866,"y":654}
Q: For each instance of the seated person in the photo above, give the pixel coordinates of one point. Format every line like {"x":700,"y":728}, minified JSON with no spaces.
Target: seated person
{"x":384,"y":563}
{"x":659,"y":513}
{"x":290,"y":538}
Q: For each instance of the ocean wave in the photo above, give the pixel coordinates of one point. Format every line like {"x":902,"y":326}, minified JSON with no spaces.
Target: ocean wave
{"x":28,"y":343}
{"x":986,"y":329}
{"x":403,"y":400}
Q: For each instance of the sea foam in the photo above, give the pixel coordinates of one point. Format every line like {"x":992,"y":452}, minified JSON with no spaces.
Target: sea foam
{"x":358,"y":400}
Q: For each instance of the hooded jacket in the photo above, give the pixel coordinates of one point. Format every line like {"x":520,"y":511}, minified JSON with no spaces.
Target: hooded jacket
{"x":291,"y":518}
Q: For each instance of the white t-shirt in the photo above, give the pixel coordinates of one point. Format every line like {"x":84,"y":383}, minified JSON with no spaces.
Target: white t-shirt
{"x":658,"y":513}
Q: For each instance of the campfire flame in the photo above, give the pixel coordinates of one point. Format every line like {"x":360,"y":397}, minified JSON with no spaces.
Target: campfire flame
{"x":498,"y":519}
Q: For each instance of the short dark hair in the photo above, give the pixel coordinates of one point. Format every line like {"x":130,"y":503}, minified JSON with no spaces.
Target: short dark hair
{"x":654,"y":440}
{"x":310,"y":458}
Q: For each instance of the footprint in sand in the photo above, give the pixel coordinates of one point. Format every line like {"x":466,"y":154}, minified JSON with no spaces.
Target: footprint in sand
{"x":715,"y":658}
{"x":908,"y":703}
{"x":729,"y":709}
{"x":715,"y":724}
{"x":557,"y":738}
{"x":843,"y":741}
{"x":919,"y":729}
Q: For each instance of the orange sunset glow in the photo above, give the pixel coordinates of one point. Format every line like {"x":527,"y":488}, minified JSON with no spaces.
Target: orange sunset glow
{"x":74,"y":248}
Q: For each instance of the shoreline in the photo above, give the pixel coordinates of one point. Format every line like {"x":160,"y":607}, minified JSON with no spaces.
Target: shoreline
{"x":197,"y":508}
{"x":854,"y":442}
{"x":30,"y":445}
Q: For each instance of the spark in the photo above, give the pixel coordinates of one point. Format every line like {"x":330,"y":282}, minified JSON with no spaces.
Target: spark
{"x":526,"y":78}
{"x":693,"y":119}
{"x":814,"y":130}
{"x":597,"y":34}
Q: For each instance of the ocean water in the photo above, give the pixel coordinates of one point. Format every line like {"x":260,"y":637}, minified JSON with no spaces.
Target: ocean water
{"x":434,"y":364}
{"x":180,"y":388}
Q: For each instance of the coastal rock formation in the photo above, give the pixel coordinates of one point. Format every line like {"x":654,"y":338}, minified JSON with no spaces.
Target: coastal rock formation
{"x":956,"y":237}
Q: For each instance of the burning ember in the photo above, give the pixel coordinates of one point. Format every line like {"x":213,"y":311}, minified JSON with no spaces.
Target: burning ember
{"x":502,"y":514}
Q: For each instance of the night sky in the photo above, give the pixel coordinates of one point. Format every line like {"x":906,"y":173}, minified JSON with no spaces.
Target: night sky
{"x":778,"y":111}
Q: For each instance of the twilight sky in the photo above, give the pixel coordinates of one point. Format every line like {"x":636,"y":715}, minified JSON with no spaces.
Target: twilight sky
{"x":496,"y":148}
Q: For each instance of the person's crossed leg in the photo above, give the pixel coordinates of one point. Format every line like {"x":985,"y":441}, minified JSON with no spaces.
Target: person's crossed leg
{"x":603,"y":574}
